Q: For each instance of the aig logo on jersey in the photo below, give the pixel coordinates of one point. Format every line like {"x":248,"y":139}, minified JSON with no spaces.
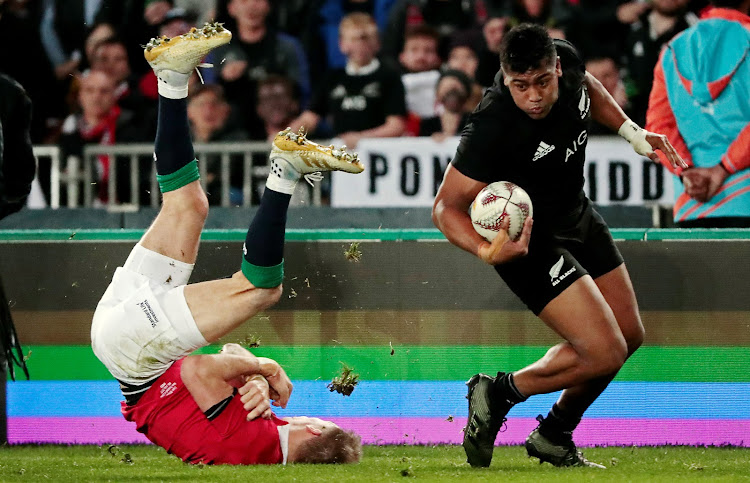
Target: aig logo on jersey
{"x":554,"y":272}
{"x":577,"y":143}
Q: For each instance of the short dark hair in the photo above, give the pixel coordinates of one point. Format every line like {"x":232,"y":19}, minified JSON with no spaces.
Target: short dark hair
{"x":333,"y":446}
{"x":273,"y":79}
{"x":421,"y":31}
{"x":527,"y":46}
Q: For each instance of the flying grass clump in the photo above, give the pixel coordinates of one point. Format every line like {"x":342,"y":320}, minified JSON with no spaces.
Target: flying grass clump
{"x":345,"y":382}
{"x":353,"y":253}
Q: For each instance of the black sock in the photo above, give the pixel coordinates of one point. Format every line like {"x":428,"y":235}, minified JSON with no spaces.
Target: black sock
{"x":264,"y":245}
{"x":173,"y":148}
{"x":506,"y":388}
{"x":265,"y":237}
{"x":559,"y":421}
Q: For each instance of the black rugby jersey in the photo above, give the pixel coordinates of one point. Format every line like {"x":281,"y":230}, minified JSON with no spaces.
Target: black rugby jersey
{"x":544,"y":157}
{"x":360,"y":102}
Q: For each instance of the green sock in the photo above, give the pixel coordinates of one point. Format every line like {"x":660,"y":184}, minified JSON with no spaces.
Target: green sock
{"x":185,"y":175}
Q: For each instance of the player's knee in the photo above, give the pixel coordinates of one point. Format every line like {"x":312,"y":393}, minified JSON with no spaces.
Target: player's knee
{"x":614,"y":356}
{"x":607,"y":356}
{"x":268,"y":297}
{"x":634,"y":338}
{"x":191,"y":202}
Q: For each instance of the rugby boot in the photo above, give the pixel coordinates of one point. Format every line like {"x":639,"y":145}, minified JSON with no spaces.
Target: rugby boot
{"x":174,"y":59}
{"x":307,"y":157}
{"x":486,"y":416}
{"x":558,"y":449}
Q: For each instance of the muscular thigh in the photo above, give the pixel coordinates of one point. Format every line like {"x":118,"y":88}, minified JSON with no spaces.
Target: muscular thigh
{"x":617,"y":290}
{"x":220,"y":306}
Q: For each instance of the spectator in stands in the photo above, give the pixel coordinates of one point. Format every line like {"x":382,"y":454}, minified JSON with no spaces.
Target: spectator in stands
{"x":493,"y":32}
{"x":19,"y":26}
{"x":463,"y":57}
{"x":101,"y":121}
{"x":420,"y":61}
{"x":99,"y":33}
{"x":111,"y":56}
{"x":211,"y":121}
{"x":64,"y":31}
{"x":364,"y":100}
{"x":647,"y":37}
{"x":256,"y":51}
{"x":446,"y":16}
{"x":606,"y":71}
{"x":598,"y":27}
{"x":297,"y":17}
{"x":453,"y":90}
{"x":278,"y":106}
{"x":553,"y":14}
{"x":134,"y":20}
{"x":700,"y":101}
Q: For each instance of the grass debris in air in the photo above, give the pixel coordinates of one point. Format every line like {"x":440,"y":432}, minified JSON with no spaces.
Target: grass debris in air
{"x":353,"y":253}
{"x":345,"y":382}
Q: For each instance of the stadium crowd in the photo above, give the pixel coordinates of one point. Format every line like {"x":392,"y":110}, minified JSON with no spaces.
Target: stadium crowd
{"x":394,"y":68}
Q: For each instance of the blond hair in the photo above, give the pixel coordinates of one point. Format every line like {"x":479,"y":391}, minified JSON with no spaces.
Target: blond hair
{"x":359,"y":20}
{"x":333,"y":446}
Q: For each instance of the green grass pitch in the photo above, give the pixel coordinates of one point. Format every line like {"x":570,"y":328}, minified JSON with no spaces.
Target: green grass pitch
{"x":384,"y":463}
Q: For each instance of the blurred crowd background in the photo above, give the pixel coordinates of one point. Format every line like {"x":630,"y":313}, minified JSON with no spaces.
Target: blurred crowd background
{"x":81,"y":62}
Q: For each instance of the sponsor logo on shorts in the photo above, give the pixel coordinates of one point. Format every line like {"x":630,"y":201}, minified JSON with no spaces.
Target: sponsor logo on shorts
{"x":554,"y":272}
{"x":149,"y":312}
{"x":167,"y":388}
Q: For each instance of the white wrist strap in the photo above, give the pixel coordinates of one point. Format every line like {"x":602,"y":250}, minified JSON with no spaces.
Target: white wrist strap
{"x":636,"y":136}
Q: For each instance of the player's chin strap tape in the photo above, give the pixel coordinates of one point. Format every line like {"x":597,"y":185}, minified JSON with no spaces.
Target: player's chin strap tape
{"x":636,"y":136}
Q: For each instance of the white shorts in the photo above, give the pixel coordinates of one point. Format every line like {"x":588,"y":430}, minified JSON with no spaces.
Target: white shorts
{"x":142,"y":323}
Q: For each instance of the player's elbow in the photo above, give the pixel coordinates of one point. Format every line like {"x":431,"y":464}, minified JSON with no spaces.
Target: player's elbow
{"x":437,"y":211}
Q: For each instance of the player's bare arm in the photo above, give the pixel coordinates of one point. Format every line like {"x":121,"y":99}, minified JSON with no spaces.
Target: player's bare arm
{"x":606,"y":111}
{"x":212,"y":377}
{"x":450,"y":215}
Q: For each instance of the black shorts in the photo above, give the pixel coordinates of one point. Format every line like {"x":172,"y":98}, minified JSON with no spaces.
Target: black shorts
{"x":559,"y":257}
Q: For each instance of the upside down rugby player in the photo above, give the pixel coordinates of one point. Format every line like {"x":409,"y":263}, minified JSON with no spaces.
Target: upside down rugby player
{"x":210,"y":408}
{"x":531,"y":128}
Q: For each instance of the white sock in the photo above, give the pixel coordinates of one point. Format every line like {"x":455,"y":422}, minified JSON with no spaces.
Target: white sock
{"x":173,"y":85}
{"x":283,"y":177}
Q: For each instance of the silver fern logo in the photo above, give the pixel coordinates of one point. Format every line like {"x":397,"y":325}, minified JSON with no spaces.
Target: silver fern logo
{"x":554,"y":272}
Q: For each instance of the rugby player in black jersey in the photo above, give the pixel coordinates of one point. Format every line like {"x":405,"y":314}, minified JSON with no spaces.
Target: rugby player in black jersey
{"x":531,"y":128}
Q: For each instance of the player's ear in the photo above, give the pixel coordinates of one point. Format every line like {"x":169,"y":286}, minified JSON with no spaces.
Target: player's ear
{"x":313,"y":430}
{"x":558,"y":67}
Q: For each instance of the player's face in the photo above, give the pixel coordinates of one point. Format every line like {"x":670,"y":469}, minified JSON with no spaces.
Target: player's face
{"x":536,"y":90}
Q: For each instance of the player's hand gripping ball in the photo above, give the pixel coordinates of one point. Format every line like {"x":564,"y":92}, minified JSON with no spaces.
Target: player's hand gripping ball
{"x":497,"y":202}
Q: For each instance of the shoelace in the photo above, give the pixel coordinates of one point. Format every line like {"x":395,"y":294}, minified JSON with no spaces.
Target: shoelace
{"x":316,"y":176}
{"x":205,"y":65}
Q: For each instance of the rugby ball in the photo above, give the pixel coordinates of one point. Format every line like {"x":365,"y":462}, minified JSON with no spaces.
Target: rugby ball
{"x":495,"y":203}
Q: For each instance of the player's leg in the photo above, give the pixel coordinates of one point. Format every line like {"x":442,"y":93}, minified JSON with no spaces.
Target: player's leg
{"x":566,"y":414}
{"x":220,"y":306}
{"x":593,"y":347}
{"x":140,"y":326}
{"x":175,"y":233}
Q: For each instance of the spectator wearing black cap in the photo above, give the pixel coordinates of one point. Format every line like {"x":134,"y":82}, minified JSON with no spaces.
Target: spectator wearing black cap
{"x":452,"y":92}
